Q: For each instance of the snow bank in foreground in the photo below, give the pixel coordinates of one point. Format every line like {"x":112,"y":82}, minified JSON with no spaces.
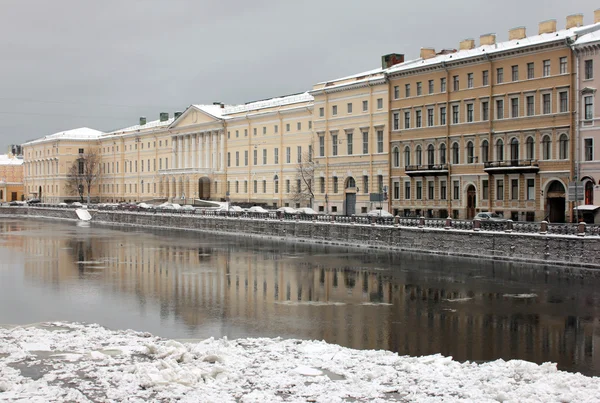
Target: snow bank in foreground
{"x":83,"y":363}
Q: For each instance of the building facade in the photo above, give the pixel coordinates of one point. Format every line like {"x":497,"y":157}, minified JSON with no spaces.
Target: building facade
{"x":492,"y":127}
{"x":11,"y":178}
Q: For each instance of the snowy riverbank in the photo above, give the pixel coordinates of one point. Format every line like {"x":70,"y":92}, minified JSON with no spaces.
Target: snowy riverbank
{"x":88,"y":363}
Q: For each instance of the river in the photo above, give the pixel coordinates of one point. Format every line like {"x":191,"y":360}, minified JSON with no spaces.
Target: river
{"x":188,"y":285}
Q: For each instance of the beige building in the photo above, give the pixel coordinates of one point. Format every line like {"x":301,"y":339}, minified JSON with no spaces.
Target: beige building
{"x":11,"y":178}
{"x":486,"y":128}
{"x":351,"y":137}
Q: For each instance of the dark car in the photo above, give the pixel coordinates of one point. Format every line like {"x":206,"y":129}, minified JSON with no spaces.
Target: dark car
{"x":33,"y":201}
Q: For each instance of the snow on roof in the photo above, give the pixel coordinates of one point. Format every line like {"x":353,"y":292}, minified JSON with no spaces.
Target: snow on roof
{"x":588,"y":38}
{"x":213,"y":110}
{"x":492,"y":49}
{"x":82,"y":133}
{"x":6,"y":159}
{"x":364,"y":73}
{"x":149,"y":125}
{"x":269,"y":103}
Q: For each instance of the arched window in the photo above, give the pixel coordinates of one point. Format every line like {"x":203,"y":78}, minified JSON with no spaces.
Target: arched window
{"x":396,"y":157}
{"x":350,"y":183}
{"x":406,"y":156}
{"x":443,"y":153}
{"x":275,"y":182}
{"x":430,"y":155}
{"x":514,"y":150}
{"x":485,"y":151}
{"x":563,"y":147}
{"x":455,"y":154}
{"x":529,"y":148}
{"x":470,"y":153}
{"x":418,"y":156}
{"x":499,"y":150}
{"x":546,"y":147}
{"x":589,"y":192}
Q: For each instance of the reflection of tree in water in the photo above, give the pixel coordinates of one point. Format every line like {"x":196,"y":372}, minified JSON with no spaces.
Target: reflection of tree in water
{"x":82,"y":252}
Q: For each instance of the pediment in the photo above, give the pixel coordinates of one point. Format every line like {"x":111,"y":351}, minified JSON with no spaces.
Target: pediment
{"x":193,"y":116}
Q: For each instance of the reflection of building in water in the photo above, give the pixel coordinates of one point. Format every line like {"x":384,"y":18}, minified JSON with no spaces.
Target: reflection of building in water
{"x":312,"y":293}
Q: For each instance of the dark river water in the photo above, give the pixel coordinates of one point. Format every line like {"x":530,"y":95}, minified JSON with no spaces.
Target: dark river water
{"x":187,"y":285}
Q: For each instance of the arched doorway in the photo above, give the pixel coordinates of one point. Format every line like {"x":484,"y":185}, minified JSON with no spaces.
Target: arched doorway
{"x":350,"y":199}
{"x":555,"y":202}
{"x":204,"y":188}
{"x":471,"y":202}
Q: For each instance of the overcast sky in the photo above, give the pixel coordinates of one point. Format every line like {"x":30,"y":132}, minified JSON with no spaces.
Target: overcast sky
{"x":102,"y":64}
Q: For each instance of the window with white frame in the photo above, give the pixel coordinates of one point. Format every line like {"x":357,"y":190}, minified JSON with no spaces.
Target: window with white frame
{"x":430,"y":117}
{"x":588,"y":149}
{"x":349,"y":143}
{"x":455,"y":114}
{"x":365,"y":138}
{"x":321,"y":112}
{"x":419,"y":118}
{"x":334,"y":144}
{"x":546,"y":104}
{"x":499,"y":75}
{"x":419,"y":88}
{"x":499,"y":109}
{"x":431,"y":89}
{"x":588,"y":69}
{"x":349,"y":107}
{"x":407,"y":120}
{"x":379,"y":103}
{"x":443,"y":84}
{"x":563,"y":65}
{"x":334,"y":110}
{"x":365,"y":106}
{"x":470,"y":113}
{"x":469,"y":80}
{"x":530,"y":189}
{"x":530,"y":71}
{"x":529,"y":148}
{"x":515,"y":73}
{"x":485,"y":78}
{"x":546,"y":147}
{"x":514,"y":107}
{"x":530,"y":99}
{"x":588,"y":105}
{"x":396,"y":157}
{"x":563,"y":101}
{"x":380,"y":141}
{"x":321,"y":146}
{"x":546,"y":70}
{"x":563,"y":146}
{"x":396,"y":91}
{"x":485,"y":110}
{"x":396,"y":121}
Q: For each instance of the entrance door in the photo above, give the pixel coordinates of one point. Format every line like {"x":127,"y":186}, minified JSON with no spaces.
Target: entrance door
{"x":556,"y":202}
{"x":471,"y":202}
{"x":350,"y":204}
{"x":204,"y":188}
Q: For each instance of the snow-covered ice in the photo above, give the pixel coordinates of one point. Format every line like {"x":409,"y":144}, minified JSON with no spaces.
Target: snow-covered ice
{"x":88,"y":363}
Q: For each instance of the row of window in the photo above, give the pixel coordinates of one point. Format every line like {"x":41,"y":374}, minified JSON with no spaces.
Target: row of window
{"x":350,"y":149}
{"x":469,"y":112}
{"x":350,"y":108}
{"x":485,"y":78}
{"x":288,"y":156}
{"x":132,"y":166}
{"x":288,"y":128}
{"x":515,"y":153}
{"x":442,"y":192}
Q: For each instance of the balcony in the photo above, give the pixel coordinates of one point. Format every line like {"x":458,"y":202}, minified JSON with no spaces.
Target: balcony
{"x":427,"y":170}
{"x":511,"y":166}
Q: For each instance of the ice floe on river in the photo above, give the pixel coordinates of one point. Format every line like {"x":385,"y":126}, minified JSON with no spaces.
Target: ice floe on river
{"x":88,"y":363}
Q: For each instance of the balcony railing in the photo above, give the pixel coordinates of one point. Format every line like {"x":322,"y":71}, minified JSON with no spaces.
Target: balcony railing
{"x":426,"y":170}
{"x":508,"y":166}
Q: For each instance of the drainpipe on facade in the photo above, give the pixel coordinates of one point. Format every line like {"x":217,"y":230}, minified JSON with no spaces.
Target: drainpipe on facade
{"x":280,"y":162}
{"x":575,"y":151}
{"x":373,"y":135}
{"x":250,"y":184}
{"x":449,"y":184}
{"x":492,"y":77}
{"x":327,"y":151}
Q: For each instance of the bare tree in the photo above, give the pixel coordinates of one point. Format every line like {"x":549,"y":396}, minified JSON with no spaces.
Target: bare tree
{"x":305,"y":178}
{"x":84,"y":173}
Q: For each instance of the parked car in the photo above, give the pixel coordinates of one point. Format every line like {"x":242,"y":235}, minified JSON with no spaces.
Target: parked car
{"x":486,"y":216}
{"x":307,"y":211}
{"x":33,"y":201}
{"x":76,"y":204}
{"x":288,"y":210}
{"x":17,"y":203}
{"x":257,"y":209}
{"x":379,"y":213}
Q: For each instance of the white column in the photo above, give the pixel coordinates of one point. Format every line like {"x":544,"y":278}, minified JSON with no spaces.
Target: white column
{"x":179,"y":152}
{"x":174,"y":152}
{"x":207,"y":150}
{"x":193,"y":140}
{"x":222,"y":148}
{"x":200,"y":139}
{"x":214,"y":151}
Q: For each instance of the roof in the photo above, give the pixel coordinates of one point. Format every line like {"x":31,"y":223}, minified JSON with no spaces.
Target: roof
{"x":496,"y":48}
{"x":269,"y":103}
{"x":149,"y":125}
{"x":364,"y":73}
{"x":588,"y":38}
{"x":82,"y":133}
{"x":213,"y":110}
{"x":6,"y":159}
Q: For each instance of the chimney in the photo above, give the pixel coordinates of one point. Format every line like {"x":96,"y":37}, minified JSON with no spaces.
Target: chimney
{"x":487,"y":39}
{"x":392,"y":59}
{"x":517,"y":33}
{"x":547,"y":27}
{"x":467,"y":44}
{"x":427,"y":53}
{"x":142,"y":120}
{"x":575,"y":20}
{"x":177,"y":114}
{"x":597,"y":16}
{"x":164,"y":116}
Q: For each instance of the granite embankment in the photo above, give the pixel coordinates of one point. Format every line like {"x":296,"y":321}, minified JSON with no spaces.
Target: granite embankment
{"x":548,"y":249}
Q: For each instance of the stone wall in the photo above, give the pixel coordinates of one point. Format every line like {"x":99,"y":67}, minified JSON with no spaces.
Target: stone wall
{"x":555,"y":250}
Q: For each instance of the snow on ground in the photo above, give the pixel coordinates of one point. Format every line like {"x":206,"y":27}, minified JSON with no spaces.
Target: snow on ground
{"x":88,"y":363}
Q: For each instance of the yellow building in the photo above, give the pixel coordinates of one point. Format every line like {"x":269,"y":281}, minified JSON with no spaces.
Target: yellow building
{"x":351,"y":126}
{"x":486,"y":128}
{"x":11,"y":178}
